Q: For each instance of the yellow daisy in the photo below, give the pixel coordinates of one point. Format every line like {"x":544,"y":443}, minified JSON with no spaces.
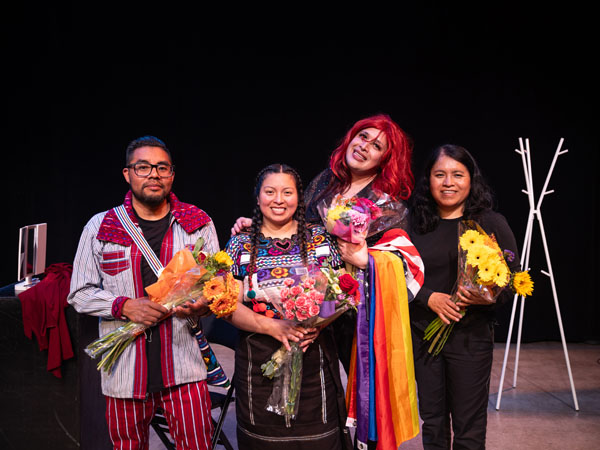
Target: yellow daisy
{"x":522,"y":283}
{"x":486,"y":270}
{"x":469,"y":239}
{"x":501,"y":274}
{"x":478,"y":254}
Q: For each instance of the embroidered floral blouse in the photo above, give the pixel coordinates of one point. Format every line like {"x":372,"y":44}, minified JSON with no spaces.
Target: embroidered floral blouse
{"x":278,"y":259}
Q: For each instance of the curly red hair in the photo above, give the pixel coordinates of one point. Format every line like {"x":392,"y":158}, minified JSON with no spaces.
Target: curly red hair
{"x":395,"y":175}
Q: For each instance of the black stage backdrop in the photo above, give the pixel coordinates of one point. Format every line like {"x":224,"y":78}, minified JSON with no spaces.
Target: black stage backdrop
{"x":231,"y":96}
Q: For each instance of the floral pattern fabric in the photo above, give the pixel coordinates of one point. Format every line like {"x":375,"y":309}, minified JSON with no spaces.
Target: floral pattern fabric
{"x":278,"y":259}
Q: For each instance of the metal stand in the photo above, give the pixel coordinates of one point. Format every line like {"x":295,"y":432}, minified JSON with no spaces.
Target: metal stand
{"x":25,"y":284}
{"x":534,"y":212}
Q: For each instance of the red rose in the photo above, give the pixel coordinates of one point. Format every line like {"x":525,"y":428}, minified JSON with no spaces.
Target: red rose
{"x":348,"y":284}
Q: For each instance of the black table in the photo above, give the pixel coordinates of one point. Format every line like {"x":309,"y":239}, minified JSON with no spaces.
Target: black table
{"x":40,"y":410}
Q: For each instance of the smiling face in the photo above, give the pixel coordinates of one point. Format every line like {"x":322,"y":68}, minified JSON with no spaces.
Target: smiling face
{"x":365,"y":151}
{"x":450,"y":185}
{"x":151,"y":190}
{"x":278,"y":199}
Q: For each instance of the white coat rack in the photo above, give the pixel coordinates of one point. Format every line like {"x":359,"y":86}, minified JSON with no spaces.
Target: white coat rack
{"x":534,"y":213}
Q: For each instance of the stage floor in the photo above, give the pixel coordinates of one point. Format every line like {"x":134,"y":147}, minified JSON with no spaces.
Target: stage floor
{"x":537,"y":414}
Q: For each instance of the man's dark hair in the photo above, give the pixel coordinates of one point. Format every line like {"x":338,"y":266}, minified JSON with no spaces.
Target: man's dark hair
{"x":144,"y":141}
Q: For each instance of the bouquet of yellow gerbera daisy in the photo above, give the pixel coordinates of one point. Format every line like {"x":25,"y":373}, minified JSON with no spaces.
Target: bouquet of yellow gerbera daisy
{"x":188,"y":275}
{"x":482,"y":266}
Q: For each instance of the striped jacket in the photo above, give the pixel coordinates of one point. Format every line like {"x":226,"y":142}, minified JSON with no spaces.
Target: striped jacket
{"x":106,"y":271}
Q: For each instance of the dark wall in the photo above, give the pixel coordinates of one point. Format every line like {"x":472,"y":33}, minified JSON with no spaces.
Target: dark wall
{"x":231,"y":96}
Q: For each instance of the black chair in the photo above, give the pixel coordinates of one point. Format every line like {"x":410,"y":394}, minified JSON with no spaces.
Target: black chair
{"x":159,"y":424}
{"x":222,"y":402}
{"x":218,"y":332}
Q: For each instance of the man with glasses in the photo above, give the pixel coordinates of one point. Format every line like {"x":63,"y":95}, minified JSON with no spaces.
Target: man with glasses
{"x":163,"y":367}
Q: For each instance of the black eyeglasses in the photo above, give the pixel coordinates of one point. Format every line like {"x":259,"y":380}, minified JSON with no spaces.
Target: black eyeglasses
{"x":144,"y":169}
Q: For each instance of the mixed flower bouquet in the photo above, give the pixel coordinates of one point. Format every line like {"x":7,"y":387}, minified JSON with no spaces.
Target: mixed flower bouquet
{"x":356,"y":218}
{"x":315,"y":300}
{"x":188,"y":275}
{"x":482,"y":267}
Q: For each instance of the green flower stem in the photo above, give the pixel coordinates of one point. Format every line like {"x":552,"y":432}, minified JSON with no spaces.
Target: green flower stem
{"x":112,"y":345}
{"x":439,"y":332}
{"x":437,"y":338}
{"x":295,"y":381}
{"x":446,"y":334}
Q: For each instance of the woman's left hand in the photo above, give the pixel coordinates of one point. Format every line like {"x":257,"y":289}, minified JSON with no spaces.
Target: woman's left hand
{"x":471,"y":297}
{"x":355,"y":254}
{"x":309,"y":338}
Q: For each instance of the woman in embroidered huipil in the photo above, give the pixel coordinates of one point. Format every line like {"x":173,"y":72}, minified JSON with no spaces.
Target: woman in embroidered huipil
{"x":278,"y":246}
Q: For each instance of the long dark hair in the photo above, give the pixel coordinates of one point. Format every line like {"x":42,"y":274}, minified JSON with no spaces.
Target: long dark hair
{"x":424,"y":210}
{"x":257,"y":217}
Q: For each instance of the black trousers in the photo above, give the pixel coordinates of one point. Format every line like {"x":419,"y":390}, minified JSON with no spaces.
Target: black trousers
{"x":453,"y":387}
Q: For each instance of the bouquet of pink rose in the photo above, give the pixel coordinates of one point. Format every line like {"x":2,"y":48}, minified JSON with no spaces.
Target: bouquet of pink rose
{"x":315,"y":300}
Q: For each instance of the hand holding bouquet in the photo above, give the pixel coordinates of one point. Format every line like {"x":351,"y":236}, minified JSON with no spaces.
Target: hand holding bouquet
{"x":188,"y":276}
{"x":482,"y":268}
{"x":315,"y":300}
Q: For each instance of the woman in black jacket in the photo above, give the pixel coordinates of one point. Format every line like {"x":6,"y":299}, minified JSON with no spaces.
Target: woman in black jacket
{"x":453,"y":387}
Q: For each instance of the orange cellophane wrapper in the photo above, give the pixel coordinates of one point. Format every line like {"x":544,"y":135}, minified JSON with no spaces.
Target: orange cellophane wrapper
{"x":177,"y":271}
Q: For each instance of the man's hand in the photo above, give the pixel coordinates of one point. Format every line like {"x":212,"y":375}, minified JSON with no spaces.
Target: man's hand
{"x":198,"y":308}
{"x":141,"y":310}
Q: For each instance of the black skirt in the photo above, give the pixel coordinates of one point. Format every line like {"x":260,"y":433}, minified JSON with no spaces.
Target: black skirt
{"x":320,"y":422}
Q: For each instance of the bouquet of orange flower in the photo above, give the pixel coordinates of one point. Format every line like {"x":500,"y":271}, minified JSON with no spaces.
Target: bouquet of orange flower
{"x":188,"y":275}
{"x":315,"y":300}
{"x":482,"y":266}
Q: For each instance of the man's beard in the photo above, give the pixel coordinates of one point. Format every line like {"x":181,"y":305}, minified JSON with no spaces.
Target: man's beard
{"x":150,"y":200}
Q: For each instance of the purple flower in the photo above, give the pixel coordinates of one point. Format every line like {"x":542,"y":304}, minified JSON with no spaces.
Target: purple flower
{"x":510,"y":256}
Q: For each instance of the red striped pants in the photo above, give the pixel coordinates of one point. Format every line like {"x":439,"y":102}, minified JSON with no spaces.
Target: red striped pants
{"x":186,"y":408}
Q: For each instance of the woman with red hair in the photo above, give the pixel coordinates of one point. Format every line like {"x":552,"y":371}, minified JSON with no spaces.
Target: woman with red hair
{"x":374,"y":153}
{"x":373,"y":157}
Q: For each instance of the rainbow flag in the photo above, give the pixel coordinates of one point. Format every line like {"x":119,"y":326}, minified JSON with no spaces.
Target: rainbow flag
{"x":381,"y":394}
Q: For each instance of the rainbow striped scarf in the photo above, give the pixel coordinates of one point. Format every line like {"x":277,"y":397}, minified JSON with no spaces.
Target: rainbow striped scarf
{"x":381,"y":394}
